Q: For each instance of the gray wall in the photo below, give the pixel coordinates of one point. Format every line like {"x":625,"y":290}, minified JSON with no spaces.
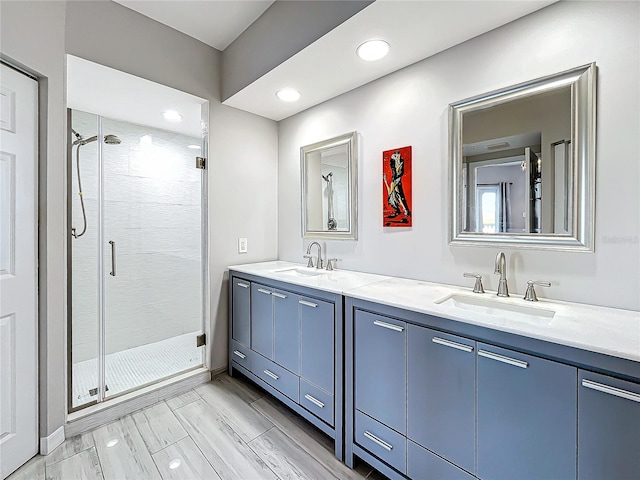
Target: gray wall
{"x":242,"y":153}
{"x":409,"y":107}
{"x":32,"y":34}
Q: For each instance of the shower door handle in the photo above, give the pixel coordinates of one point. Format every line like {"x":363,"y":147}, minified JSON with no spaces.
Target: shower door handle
{"x":113,"y":258}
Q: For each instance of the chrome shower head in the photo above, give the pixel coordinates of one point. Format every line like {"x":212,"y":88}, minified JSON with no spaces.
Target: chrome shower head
{"x":108,"y":139}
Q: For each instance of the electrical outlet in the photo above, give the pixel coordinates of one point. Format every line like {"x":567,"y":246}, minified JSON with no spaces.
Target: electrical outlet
{"x":242,"y":245}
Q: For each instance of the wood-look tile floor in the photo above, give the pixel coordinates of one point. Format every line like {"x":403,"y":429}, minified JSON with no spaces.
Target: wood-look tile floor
{"x":225,"y":429}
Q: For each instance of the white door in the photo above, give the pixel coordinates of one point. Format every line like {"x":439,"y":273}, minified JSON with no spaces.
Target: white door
{"x":18,"y":270}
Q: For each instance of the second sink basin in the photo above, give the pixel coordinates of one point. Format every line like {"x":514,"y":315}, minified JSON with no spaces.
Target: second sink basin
{"x":497,"y":308}
{"x":302,"y":272}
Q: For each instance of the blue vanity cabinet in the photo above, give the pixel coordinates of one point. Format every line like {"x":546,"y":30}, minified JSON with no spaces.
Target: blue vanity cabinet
{"x":441,"y":410}
{"x":380,"y":369}
{"x":262,"y":319}
{"x":317,"y":339}
{"x":288,"y":339}
{"x":286,"y":330}
{"x":241,"y":311}
{"x":608,"y":428}
{"x":526,"y":408}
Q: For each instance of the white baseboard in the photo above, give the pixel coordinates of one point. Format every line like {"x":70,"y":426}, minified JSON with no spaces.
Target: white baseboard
{"x":50,"y":443}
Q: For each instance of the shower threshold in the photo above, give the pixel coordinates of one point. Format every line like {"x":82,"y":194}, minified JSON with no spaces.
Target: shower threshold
{"x":137,"y":367}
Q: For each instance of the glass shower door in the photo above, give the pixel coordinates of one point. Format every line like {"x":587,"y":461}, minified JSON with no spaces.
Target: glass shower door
{"x":83,"y":333}
{"x":152,"y":214}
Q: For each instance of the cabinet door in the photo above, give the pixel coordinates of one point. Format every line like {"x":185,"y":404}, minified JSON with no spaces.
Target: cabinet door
{"x":241,"y":313}
{"x":608,"y":428}
{"x":380,"y":369}
{"x":441,"y":412}
{"x":262,"y":320}
{"x":317,"y":342}
{"x":286,"y":328}
{"x":526,"y":416}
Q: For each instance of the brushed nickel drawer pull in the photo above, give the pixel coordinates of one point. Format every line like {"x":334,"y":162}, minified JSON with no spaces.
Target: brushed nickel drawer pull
{"x":390,"y":326}
{"x":314,"y":400}
{"x":271,"y":374}
{"x":243,"y":285}
{"x":279,"y":295}
{"x":308,"y":304}
{"x":503,"y":359}
{"x":449,"y":343}
{"x":382,"y":443}
{"x":241,"y":355}
{"x":262,"y":290}
{"x":634,"y":397}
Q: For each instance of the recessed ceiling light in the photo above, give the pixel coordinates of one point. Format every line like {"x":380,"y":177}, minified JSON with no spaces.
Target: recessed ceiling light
{"x":288,"y":95}
{"x":173,"y":464}
{"x":373,"y":50}
{"x":194,"y":147}
{"x":112,"y":442}
{"x":172,"y":116}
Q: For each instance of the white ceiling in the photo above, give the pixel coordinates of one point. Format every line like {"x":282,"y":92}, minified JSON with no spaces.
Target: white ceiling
{"x":329,"y":66}
{"x":114,"y":94}
{"x":214,"y":22}
{"x":414,"y":29}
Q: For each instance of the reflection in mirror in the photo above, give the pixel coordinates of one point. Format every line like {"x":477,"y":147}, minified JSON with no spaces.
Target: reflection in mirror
{"x":515,"y":175}
{"x":328,"y":188}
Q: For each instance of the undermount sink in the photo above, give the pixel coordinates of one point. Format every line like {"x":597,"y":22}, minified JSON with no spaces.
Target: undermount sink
{"x":303,"y":272}
{"x":497,"y":308}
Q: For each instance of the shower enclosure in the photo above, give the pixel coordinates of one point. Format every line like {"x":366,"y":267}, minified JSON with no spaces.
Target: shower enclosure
{"x":137,"y":248}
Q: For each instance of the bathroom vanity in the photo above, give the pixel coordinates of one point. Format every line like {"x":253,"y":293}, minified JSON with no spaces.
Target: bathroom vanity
{"x":438,"y":381}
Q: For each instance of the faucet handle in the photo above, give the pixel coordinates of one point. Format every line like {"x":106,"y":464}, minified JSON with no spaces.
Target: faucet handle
{"x":530,"y":294}
{"x":310,"y":262}
{"x":331,"y":266}
{"x":477,"y":288}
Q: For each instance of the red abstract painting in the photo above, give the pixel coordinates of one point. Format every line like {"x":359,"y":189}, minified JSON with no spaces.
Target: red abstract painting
{"x":396,"y":187}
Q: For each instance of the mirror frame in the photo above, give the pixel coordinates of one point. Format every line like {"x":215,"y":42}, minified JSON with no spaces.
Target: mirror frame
{"x":582,"y":81}
{"x":351,"y":140}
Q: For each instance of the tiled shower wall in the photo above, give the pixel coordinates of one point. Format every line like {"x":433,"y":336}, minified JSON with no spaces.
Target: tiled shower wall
{"x":152,"y":211}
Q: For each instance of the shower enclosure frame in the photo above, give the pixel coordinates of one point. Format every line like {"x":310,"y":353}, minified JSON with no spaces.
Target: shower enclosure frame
{"x":204,"y":262}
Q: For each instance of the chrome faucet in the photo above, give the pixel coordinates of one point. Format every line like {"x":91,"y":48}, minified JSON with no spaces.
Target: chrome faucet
{"x":501,"y":269}
{"x":319,"y":259}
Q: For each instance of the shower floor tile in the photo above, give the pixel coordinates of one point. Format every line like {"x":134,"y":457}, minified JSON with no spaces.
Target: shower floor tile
{"x":137,"y":366}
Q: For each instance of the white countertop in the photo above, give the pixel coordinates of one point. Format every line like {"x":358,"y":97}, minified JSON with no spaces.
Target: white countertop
{"x":335,"y":281}
{"x":604,"y":330}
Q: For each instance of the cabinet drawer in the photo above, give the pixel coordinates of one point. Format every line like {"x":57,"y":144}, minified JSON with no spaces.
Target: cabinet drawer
{"x":276,"y":376}
{"x":241,"y":354}
{"x":380,"y":440}
{"x":317,"y":401}
{"x":421,"y":463}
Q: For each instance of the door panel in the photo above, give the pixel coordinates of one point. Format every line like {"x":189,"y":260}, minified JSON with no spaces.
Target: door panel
{"x":380,"y":369}
{"x":608,"y":427}
{"x":18,"y":270}
{"x":262,"y":320}
{"x":441,"y":389}
{"x":152,"y":254}
{"x":286,"y":325}
{"x":526,"y":412}
{"x":241,"y":328}
{"x":318,"y":342}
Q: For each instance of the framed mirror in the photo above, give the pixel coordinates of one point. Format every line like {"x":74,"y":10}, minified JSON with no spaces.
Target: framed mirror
{"x":329,"y":188}
{"x":522,"y":164}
